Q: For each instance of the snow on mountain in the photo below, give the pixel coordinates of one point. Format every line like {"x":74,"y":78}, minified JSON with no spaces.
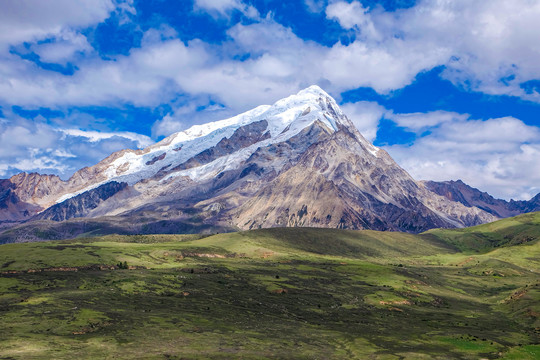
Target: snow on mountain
{"x":286,"y":118}
{"x":298,"y":162}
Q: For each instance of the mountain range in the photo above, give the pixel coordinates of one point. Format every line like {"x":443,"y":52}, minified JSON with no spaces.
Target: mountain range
{"x":297,"y":163}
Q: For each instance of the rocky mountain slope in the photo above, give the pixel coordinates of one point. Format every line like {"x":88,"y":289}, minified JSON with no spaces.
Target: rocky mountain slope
{"x":298,"y":162}
{"x":472,"y":197}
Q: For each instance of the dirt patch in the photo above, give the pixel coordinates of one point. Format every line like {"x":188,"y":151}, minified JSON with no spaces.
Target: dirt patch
{"x":516,"y":295}
{"x":395,"y":302}
{"x":415,"y":282}
{"x":206,"y":255}
{"x":464,"y":262}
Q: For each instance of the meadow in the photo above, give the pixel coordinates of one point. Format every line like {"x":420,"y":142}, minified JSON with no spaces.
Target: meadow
{"x":277,"y":293}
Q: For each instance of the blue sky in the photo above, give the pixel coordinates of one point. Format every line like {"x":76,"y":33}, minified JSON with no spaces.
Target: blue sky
{"x":451,"y":89}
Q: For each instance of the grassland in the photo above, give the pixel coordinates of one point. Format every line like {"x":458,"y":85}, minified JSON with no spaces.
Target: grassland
{"x":278,"y":293}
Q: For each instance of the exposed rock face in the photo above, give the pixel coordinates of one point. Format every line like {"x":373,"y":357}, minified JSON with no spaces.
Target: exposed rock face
{"x":35,"y":188}
{"x":340,"y":183}
{"x":531,"y":205}
{"x":471,"y":197}
{"x":299,"y":162}
{"x":81,"y":205}
{"x":12,"y":208}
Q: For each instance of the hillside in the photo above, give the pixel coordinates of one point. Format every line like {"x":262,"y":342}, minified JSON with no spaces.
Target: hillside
{"x":277,"y":293}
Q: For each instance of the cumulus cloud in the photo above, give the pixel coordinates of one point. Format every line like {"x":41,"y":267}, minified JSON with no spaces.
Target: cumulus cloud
{"x":62,"y":48}
{"x":366,"y":116}
{"x":264,"y":61}
{"x":168,"y":125}
{"x":487,"y":46}
{"x":353,"y":16}
{"x":488,"y":154}
{"x":35,"y":146}
{"x":479,"y":44}
{"x":28,"y":20}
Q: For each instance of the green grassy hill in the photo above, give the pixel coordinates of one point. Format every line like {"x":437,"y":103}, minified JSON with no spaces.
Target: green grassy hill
{"x":277,"y":293}
{"x":511,"y":231}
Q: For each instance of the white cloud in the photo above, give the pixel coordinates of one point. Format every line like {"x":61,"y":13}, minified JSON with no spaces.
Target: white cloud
{"x":387,"y":57}
{"x":28,"y":20}
{"x":491,"y":155}
{"x":353,"y":15}
{"x":487,"y":46}
{"x":383,"y":69}
{"x":63,"y":48}
{"x":315,"y":6}
{"x":390,"y":50}
{"x":62,"y":153}
{"x":278,"y":64}
{"x":196,"y":111}
{"x":39,"y":162}
{"x":420,"y":122}
{"x":125,"y":9}
{"x":365,"y":115}
{"x":35,"y":146}
{"x":16,"y":138}
{"x":142,"y":141}
{"x":167,"y":125}
{"x":224,"y":7}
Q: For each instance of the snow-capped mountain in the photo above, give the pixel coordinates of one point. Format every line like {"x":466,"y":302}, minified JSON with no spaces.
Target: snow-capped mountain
{"x":277,"y":123}
{"x":298,"y":162}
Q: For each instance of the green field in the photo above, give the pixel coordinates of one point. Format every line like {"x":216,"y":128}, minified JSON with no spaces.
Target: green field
{"x":277,"y":293}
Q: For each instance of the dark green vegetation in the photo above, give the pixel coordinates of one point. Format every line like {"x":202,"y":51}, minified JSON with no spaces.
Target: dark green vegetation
{"x":277,"y":293}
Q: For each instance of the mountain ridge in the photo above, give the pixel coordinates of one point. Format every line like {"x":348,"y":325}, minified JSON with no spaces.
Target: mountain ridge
{"x":298,"y":162}
{"x":467,"y":195}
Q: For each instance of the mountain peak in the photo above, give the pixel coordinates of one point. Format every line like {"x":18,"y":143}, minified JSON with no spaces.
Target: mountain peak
{"x":314,"y":89}
{"x":283,"y":120}
{"x":308,"y":96}
{"x":298,"y":162}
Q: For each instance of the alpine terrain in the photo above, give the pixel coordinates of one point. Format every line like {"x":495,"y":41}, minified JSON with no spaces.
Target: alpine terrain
{"x":297,"y":163}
